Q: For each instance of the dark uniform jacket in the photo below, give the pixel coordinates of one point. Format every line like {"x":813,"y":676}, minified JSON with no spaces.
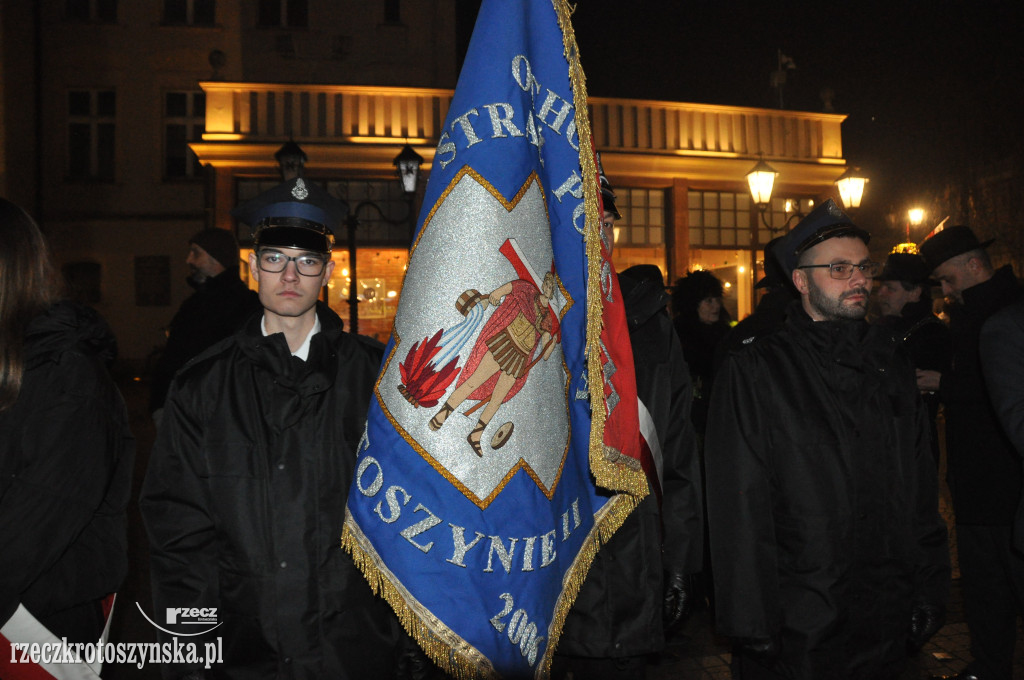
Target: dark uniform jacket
{"x":822,"y":498}
{"x":244,"y":501}
{"x":66,"y":457}
{"x":215,"y":311}
{"x":1002,"y":354}
{"x":618,"y":610}
{"x":984,"y":472}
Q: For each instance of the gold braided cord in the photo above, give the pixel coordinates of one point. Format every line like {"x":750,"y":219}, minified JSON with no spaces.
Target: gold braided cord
{"x":609,"y":467}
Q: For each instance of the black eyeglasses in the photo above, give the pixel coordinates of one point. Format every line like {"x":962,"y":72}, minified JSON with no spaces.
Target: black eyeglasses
{"x":844,"y":270}
{"x":308,"y":265}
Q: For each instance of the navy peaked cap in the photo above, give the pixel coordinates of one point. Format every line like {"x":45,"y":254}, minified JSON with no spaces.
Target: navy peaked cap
{"x":824,"y":222}
{"x":293,"y":214}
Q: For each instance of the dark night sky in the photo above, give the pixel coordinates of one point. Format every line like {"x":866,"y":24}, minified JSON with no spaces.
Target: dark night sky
{"x":924,"y":88}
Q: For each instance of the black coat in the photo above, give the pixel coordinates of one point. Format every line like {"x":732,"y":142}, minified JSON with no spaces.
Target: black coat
{"x":66,"y":457}
{"x":216,"y":310}
{"x":1002,"y":356}
{"x":700,"y":342}
{"x":927,"y":341}
{"x":618,"y":610}
{"x":244,"y":502}
{"x":822,"y":497}
{"x":984,"y":471}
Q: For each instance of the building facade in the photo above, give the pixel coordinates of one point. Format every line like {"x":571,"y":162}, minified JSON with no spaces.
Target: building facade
{"x":125,"y":127}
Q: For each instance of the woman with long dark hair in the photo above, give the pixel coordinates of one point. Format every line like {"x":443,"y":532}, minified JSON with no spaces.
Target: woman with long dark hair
{"x":65,"y":449}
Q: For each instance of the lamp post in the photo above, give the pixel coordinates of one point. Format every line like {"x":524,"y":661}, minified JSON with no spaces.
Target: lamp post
{"x":761,"y":180}
{"x":915,"y":216}
{"x":407,"y":163}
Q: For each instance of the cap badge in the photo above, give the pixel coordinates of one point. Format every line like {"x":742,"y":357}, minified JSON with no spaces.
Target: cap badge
{"x":299,"y":191}
{"x":833,"y":210}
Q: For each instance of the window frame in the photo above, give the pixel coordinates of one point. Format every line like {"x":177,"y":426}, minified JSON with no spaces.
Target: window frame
{"x":101,"y":139}
{"x":194,"y":122}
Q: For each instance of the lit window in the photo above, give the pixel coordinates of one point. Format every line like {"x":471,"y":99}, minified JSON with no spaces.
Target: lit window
{"x":643,"y":217}
{"x":719,"y":219}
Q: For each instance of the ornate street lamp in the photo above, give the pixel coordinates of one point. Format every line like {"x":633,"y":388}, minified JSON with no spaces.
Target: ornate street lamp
{"x":761,"y":181}
{"x":851,"y":188}
{"x":408,"y":164}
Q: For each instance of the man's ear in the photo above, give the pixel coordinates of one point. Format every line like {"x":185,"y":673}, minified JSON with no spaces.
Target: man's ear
{"x":800,"y":281}
{"x":328,"y":270}
{"x":254,"y":267}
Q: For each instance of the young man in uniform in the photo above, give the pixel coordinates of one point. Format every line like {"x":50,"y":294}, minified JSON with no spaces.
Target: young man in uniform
{"x":245,"y":494}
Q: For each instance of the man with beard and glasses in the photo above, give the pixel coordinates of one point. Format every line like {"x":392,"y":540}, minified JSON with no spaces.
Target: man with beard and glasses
{"x":830,"y":557}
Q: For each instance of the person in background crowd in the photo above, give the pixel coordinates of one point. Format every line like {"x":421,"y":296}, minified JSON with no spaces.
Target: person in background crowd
{"x":66,"y":454}
{"x":220,"y":304}
{"x":983,"y":469}
{"x":830,"y":555}
{"x":701,"y":323}
{"x":770,"y":312}
{"x":641,"y":582}
{"x":245,"y":494}
{"x":905,"y":301}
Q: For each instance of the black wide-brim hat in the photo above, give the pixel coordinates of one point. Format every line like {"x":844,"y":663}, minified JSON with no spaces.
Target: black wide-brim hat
{"x":907,"y":267}
{"x":824,"y":222}
{"x":293,"y":214}
{"x":950,"y":242}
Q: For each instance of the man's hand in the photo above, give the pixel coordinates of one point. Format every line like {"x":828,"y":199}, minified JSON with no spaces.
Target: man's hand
{"x":678,"y":604}
{"x":928,"y":381}
{"x":925,"y":621}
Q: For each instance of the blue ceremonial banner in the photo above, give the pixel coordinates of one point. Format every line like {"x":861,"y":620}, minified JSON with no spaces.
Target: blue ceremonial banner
{"x":473,"y":510}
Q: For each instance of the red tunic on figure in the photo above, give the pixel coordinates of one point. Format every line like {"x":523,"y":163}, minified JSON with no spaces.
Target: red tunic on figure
{"x":522,"y":300}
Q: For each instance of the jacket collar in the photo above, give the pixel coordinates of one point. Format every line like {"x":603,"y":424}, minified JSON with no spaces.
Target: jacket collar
{"x":848,"y":342}
{"x":271,"y":352}
{"x":989,"y":296}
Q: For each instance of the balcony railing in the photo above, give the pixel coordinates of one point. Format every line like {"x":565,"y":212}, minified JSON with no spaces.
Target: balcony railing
{"x":324,"y":113}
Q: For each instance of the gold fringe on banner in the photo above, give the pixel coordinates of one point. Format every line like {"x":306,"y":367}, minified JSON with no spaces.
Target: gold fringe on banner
{"x":453,"y":655}
{"x":607,"y":521}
